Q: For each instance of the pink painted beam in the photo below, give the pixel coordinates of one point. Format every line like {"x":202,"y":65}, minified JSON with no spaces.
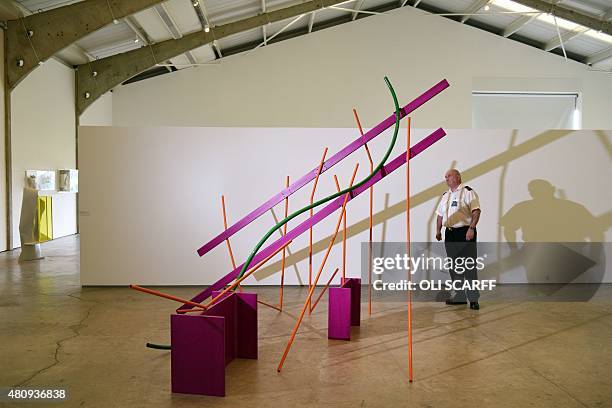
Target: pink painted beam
{"x":321,"y":214}
{"x":308,"y":177}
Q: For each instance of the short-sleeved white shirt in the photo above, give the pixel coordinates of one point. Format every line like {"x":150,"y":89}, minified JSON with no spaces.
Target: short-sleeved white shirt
{"x":456,"y":207}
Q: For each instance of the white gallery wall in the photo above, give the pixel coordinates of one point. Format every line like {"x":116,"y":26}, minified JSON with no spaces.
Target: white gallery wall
{"x":3,"y":191}
{"x":315,"y":80}
{"x":43,"y":137}
{"x":151,"y":196}
{"x":99,"y":113}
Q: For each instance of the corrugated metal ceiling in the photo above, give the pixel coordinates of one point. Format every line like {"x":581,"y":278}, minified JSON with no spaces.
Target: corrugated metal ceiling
{"x":178,"y":17}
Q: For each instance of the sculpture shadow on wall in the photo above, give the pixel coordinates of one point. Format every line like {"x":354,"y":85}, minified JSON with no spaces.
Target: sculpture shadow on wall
{"x":491,"y":164}
{"x":561,"y":242}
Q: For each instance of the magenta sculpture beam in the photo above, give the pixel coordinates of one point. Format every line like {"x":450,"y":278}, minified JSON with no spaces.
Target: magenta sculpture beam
{"x":308,"y":177}
{"x":321,"y":214}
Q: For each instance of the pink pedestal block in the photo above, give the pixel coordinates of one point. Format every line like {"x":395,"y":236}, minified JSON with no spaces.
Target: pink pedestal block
{"x":344,"y":309}
{"x":203,"y":344}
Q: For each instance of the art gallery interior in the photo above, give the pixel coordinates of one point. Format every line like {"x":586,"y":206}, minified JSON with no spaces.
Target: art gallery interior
{"x":196,"y":196}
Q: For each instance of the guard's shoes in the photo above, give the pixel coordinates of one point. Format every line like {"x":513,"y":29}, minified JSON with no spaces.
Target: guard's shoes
{"x":474,"y":306}
{"x":455,"y":302}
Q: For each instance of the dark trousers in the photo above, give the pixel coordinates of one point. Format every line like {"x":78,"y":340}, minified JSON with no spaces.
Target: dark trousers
{"x":457,"y":247}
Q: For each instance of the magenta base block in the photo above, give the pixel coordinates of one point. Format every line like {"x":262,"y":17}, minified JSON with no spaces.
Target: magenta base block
{"x":344,"y":309}
{"x":203,"y":344}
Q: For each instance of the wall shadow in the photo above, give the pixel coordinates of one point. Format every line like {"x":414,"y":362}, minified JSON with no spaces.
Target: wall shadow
{"x":560,"y":240}
{"x":543,"y":139}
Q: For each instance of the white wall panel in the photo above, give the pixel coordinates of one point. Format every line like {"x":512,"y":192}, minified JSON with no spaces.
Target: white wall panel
{"x":151,"y":196}
{"x":3,"y":190}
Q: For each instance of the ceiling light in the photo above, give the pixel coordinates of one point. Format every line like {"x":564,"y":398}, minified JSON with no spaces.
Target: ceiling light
{"x":20,"y":63}
{"x":136,"y":40}
{"x":87,"y":95}
{"x":196,"y":3}
{"x":206,"y":28}
{"x":599,"y":36}
{"x":562,"y":23}
{"x":487,"y":7}
{"x":115,"y":21}
{"x":94,"y":74}
{"x":512,"y":6}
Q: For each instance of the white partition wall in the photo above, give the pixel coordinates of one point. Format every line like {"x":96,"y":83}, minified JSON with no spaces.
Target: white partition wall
{"x":3,"y":191}
{"x":151,"y":196}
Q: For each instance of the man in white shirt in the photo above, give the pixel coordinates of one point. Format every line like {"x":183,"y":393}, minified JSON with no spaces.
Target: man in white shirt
{"x":459,"y":212}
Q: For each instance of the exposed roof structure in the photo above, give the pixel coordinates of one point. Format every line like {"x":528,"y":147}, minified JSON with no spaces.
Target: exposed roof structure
{"x":583,"y":35}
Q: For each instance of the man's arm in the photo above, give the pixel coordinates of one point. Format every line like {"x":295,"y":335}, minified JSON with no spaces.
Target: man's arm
{"x":475,"y":218}
{"x":439,"y":228}
{"x":469,"y":235}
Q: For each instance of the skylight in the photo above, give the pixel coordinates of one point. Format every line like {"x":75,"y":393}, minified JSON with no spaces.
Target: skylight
{"x":512,"y":6}
{"x":599,"y":36}
{"x":548,"y":18}
{"x":565,"y":24}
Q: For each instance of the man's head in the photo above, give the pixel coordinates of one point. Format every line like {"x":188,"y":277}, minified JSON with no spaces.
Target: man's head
{"x":453,"y":178}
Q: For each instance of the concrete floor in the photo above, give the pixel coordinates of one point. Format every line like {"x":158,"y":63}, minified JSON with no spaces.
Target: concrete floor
{"x":91,"y":342}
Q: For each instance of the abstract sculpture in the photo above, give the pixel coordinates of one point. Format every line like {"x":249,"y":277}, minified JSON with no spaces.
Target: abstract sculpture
{"x":234,"y":315}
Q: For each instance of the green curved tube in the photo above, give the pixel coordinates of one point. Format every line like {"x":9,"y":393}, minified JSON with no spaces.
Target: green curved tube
{"x":245,"y":267}
{"x":159,"y":346}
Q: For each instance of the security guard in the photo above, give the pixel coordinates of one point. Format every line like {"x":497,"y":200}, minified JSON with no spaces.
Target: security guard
{"x":459,"y":212}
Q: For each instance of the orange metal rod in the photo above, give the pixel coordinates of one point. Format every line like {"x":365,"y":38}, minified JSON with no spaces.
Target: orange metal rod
{"x":314,"y":305}
{"x":408,"y":250}
{"x":165,"y":295}
{"x":371,"y":217}
{"x":269,"y":305}
{"x":237,"y":282}
{"x":370,"y":247}
{"x":343,"y":237}
{"x":344,"y":246}
{"x":361,"y":131}
{"x":200,"y":311}
{"x":227,"y":241}
{"x":181,"y":311}
{"x":282,"y":283}
{"x":336,"y":182}
{"x":229,"y":246}
{"x":314,"y":187}
{"x":311,"y":291}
